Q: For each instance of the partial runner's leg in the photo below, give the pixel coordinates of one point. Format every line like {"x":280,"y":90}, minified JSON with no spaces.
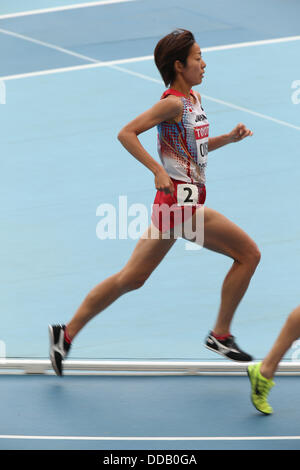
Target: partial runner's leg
{"x":223,"y":236}
{"x":290,"y":332}
{"x":261,"y":374}
{"x":146,"y":256}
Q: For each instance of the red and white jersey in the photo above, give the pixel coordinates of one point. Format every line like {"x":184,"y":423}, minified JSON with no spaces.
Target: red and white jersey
{"x":183,"y":146}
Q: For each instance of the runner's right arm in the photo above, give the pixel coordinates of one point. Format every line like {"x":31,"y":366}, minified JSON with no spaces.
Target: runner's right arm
{"x":165,"y":110}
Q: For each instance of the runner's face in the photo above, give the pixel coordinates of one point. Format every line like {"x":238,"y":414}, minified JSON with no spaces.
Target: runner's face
{"x":194,"y":70}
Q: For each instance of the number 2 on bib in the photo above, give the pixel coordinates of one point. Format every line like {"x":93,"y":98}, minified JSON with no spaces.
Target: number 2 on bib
{"x":187,"y":194}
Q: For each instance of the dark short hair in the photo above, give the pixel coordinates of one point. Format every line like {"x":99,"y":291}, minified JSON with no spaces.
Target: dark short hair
{"x":174,"y":46}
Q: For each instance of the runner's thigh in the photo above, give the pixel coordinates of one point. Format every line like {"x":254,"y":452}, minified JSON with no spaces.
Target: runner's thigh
{"x":148,"y":253}
{"x":223,"y":236}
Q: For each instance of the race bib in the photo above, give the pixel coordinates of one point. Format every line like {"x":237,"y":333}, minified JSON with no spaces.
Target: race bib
{"x":187,"y":194}
{"x":201,"y":136}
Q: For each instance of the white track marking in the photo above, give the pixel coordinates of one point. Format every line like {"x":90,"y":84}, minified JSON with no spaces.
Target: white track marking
{"x":76,"y":67}
{"x":62,"y":8}
{"x":51,"y":71}
{"x":216,"y":100}
{"x":262,"y":42}
{"x":136,"y":74}
{"x":113,"y":65}
{"x":249,"y":111}
{"x":129,"y":60}
{"x":150,"y":438}
{"x":48,"y":45}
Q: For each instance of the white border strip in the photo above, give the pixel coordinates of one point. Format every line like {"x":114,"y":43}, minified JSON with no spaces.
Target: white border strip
{"x":36,"y":366}
{"x":62,"y":8}
{"x":151,"y":438}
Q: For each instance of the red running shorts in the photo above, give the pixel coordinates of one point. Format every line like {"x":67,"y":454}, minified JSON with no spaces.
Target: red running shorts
{"x":169,"y":211}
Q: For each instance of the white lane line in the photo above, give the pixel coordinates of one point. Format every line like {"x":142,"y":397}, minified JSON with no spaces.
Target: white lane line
{"x":98,"y":63}
{"x":249,"y":111}
{"x":48,"y":45}
{"x":95,"y":62}
{"x":150,"y":438}
{"x":136,"y":74}
{"x":76,"y":67}
{"x":262,"y":42}
{"x":129,"y":60}
{"x":62,"y":8}
{"x":216,"y":100}
{"x":50,"y":71}
{"x":113,"y":65}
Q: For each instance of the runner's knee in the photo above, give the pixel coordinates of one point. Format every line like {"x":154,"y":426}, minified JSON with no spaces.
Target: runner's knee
{"x":294,"y":318}
{"x":129,"y":281}
{"x":255,"y":255}
{"x":251,"y":256}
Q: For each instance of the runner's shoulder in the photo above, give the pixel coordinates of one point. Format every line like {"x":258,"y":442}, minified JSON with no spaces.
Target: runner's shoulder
{"x":173,"y":102}
{"x":171,"y":106}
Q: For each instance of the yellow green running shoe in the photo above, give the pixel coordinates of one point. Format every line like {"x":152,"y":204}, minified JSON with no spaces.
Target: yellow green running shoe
{"x":260,"y":388}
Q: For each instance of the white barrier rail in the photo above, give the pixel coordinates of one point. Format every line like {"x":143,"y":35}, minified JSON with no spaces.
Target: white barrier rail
{"x":154,"y":367}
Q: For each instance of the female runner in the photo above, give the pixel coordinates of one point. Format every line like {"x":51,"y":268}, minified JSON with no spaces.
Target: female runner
{"x":183,"y":144}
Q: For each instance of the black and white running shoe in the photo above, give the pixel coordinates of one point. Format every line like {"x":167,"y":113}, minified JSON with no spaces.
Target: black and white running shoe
{"x":227,"y":348}
{"x":59,"y":347}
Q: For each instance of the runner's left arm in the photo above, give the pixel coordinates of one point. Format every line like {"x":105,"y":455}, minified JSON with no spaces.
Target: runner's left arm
{"x":240,"y":132}
{"x":237,"y":134}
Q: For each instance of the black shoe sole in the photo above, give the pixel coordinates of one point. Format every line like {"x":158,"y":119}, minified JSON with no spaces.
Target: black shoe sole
{"x":53,"y":360}
{"x":227,"y":357}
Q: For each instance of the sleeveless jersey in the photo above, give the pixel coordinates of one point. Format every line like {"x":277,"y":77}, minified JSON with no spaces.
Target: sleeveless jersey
{"x":183,"y":146}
